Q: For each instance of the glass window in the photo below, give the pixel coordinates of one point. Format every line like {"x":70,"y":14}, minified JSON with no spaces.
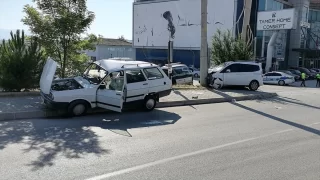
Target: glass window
{"x":153,"y":73}
{"x":318,"y":15}
{"x":134,"y":76}
{"x":313,"y":15}
{"x":94,"y":74}
{"x":248,"y":68}
{"x":232,"y":68}
{"x":114,"y":81}
{"x":262,"y":5}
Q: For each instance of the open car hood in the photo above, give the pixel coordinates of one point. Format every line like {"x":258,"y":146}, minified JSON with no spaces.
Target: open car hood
{"x":47,"y":75}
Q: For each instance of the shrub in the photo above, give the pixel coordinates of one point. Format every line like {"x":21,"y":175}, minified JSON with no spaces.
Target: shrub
{"x":21,"y":62}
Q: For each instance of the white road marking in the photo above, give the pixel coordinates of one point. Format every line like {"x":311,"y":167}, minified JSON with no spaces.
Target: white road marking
{"x":162,"y":161}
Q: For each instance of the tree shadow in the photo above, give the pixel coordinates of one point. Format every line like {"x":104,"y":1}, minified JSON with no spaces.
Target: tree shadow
{"x":74,"y":138}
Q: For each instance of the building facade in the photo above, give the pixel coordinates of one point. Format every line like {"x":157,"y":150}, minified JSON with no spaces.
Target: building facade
{"x":110,"y":48}
{"x":295,"y":47}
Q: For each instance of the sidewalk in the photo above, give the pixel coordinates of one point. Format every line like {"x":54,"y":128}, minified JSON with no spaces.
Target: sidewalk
{"x":24,"y":107}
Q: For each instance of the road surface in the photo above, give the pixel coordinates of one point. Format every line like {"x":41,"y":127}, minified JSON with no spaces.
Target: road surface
{"x":270,"y":139}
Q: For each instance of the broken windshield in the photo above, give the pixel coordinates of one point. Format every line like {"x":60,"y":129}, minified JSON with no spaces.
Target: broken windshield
{"x":94,"y":74}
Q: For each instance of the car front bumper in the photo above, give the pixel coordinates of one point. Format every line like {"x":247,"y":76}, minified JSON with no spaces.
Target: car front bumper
{"x":50,"y":103}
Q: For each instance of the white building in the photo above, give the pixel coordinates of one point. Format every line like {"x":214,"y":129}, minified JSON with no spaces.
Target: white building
{"x":109,"y":48}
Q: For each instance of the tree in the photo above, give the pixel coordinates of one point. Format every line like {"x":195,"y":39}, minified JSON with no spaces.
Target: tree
{"x":59,"y":24}
{"x":225,"y":48}
{"x":122,"y":38}
{"x":21,"y":62}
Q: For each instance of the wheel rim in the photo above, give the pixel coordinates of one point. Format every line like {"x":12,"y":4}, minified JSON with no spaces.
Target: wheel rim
{"x":254,"y":85}
{"x":150,"y":103}
{"x":78,"y":109}
{"x":281,"y":83}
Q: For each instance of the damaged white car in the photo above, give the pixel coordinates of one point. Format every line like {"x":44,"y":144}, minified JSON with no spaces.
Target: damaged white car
{"x":109,"y":84}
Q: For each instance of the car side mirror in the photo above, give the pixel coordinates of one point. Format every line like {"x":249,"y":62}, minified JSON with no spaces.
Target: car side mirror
{"x":228,"y":71}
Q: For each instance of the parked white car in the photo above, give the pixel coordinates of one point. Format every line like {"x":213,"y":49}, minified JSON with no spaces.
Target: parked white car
{"x":195,"y":72}
{"x":279,"y":78}
{"x":109,"y":84}
{"x":248,"y":74}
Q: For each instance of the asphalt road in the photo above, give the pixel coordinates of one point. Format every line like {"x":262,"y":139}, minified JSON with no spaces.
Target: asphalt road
{"x":269,"y":139}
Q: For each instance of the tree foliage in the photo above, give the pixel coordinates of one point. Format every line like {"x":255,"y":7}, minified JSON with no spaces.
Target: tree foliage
{"x":21,"y":62}
{"x":59,"y":25}
{"x":226,"y":47}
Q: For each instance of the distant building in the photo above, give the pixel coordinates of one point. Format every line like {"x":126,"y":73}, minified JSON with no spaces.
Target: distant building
{"x":110,"y":48}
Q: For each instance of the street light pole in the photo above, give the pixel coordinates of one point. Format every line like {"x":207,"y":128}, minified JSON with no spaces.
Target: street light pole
{"x":204,"y":43}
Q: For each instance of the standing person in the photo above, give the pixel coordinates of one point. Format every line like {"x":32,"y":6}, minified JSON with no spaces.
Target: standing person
{"x":318,"y":79}
{"x":303,"y":78}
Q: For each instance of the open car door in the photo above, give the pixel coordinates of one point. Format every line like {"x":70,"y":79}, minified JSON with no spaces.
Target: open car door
{"x":110,"y":94}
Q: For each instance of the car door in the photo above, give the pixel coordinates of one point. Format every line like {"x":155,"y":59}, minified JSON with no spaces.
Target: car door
{"x":157,"y":80}
{"x":272,"y":78}
{"x":277,"y":77}
{"x":137,"y":85}
{"x":110,"y":94}
{"x":231,"y":75}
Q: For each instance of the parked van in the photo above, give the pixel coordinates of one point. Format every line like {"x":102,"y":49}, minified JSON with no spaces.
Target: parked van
{"x":110,"y":84}
{"x":247,"y":74}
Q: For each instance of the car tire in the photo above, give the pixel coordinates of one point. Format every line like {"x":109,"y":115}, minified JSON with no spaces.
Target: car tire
{"x":254,"y":85}
{"x":196,"y":75}
{"x":150,"y":103}
{"x":78,"y":108}
{"x":281,"y":83}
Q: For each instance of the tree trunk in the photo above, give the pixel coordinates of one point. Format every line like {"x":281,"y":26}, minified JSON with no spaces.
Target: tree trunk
{"x":64,"y":62}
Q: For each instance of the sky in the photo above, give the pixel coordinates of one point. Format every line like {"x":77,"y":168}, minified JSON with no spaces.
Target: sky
{"x":113,"y":17}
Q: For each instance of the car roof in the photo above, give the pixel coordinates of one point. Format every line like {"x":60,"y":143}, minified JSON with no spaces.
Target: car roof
{"x":116,"y":64}
{"x":175,"y":65}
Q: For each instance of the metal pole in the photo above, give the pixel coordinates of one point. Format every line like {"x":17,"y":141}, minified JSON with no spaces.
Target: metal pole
{"x":255,"y":48}
{"x":204,"y":43}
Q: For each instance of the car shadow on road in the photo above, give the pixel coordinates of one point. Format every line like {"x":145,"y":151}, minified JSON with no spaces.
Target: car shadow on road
{"x":297,"y":125}
{"x":74,"y":137}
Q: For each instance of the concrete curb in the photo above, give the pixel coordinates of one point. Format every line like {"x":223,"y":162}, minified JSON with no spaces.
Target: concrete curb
{"x":19,"y":94}
{"x":51,"y":114}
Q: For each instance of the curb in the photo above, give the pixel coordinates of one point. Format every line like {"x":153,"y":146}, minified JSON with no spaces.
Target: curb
{"x":19,"y":94}
{"x":51,"y":114}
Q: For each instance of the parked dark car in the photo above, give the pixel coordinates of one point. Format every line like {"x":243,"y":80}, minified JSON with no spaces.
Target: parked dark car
{"x":297,"y":72}
{"x":296,"y":77}
{"x":306,"y":71}
{"x":315,"y":69}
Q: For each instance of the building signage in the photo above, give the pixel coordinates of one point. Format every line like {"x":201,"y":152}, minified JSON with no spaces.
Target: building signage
{"x":276,"y":20}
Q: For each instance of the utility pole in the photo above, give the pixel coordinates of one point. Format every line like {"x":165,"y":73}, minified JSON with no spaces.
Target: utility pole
{"x":204,"y":43}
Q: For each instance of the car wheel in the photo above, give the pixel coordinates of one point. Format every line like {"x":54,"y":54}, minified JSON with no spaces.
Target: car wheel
{"x":196,"y":75}
{"x":149,"y":103}
{"x":254,"y":85}
{"x":282,"y":83}
{"x":77,"y":108}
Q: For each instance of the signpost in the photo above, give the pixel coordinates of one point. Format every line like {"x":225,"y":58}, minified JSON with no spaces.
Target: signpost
{"x":275,"y":20}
